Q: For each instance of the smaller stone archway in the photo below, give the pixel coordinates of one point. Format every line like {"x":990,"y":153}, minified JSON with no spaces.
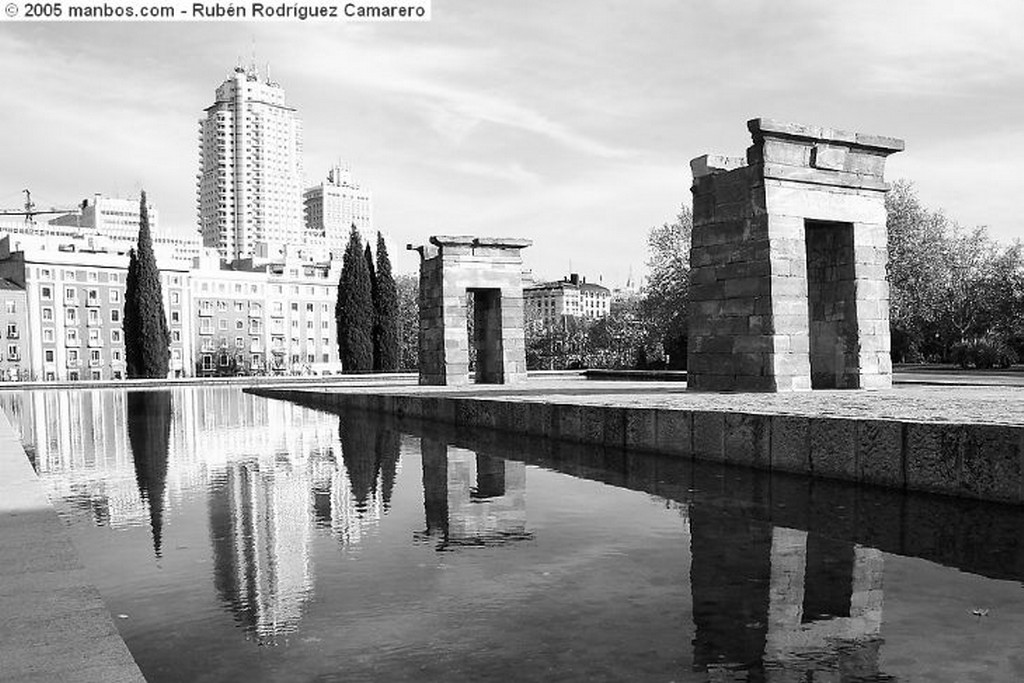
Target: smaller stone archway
{"x":489,"y":272}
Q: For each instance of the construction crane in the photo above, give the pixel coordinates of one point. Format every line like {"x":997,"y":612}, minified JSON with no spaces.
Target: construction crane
{"x":29,"y":210}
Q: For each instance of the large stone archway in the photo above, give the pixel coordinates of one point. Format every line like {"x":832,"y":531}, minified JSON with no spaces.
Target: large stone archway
{"x":488,"y":271}
{"x":787,"y":280}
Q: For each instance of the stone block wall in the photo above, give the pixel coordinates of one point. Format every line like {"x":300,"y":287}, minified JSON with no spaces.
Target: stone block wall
{"x":490,"y":270}
{"x":787,"y":280}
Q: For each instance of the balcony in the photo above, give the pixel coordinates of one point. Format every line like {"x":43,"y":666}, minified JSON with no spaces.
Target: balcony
{"x":14,"y":358}
{"x":95,"y":343}
{"x":73,"y":363}
{"x":13,"y":334}
{"x":73,"y":343}
{"x":95,"y":362}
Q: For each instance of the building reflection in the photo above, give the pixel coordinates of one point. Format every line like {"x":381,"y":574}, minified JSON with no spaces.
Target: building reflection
{"x":272,"y":472}
{"x":471,"y":499}
{"x":260,"y":527}
{"x":778,"y":604}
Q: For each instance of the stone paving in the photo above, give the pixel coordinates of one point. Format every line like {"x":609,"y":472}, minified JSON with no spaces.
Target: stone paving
{"x":952,"y":403}
{"x":54,"y":625}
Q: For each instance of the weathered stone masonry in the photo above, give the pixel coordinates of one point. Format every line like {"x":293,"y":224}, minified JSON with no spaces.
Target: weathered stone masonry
{"x":490,"y":271}
{"x":787,"y":282}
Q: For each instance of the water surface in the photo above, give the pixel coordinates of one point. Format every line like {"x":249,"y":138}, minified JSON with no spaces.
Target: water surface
{"x":238,"y":538}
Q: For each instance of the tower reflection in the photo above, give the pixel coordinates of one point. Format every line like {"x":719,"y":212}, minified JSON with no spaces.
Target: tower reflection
{"x":260,"y":527}
{"x":471,"y":499}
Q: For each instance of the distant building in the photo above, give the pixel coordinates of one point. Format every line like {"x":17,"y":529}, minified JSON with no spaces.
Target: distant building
{"x":114,"y":217}
{"x":117,"y":220}
{"x":249,"y":185}
{"x":332,"y":208}
{"x":14,"y":331}
{"x":572,"y":296}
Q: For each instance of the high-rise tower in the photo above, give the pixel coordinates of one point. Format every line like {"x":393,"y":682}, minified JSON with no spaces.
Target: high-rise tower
{"x":249,"y":189}
{"x":333,"y":207}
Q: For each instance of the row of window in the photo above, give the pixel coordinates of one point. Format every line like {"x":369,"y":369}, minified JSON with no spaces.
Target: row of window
{"x":92,"y":296}
{"x":91,"y":275}
{"x":253,"y":288}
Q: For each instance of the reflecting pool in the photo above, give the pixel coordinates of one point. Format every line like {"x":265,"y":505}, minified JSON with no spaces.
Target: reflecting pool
{"x":239,"y":538}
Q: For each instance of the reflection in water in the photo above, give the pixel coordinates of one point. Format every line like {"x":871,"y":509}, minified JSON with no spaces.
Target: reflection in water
{"x":271,"y":471}
{"x":149,"y":432}
{"x":260,"y":527}
{"x":771,"y":599}
{"x":785,"y":575}
{"x":471,"y":499}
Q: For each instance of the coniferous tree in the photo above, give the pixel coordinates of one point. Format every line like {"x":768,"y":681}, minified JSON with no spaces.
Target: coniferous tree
{"x":128,"y":318}
{"x":146,"y":337}
{"x":354,"y":310}
{"x":387,"y":336}
{"x":373,"y":299}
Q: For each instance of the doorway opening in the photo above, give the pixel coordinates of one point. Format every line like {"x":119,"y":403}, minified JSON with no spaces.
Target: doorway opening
{"x":832,"y":305}
{"x":486,"y":340}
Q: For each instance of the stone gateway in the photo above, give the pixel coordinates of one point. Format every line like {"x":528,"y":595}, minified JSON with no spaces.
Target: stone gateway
{"x":787,"y":279}
{"x":486,"y":273}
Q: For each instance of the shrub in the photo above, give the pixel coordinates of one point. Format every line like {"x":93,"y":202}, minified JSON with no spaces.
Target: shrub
{"x":989,"y":351}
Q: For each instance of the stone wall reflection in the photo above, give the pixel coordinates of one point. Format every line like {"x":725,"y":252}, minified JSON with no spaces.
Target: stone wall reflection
{"x":471,"y":499}
{"x":779,"y":604}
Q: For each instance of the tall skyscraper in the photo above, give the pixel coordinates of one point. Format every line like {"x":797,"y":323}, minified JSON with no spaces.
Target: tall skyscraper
{"x":333,"y":207}
{"x":249,"y":189}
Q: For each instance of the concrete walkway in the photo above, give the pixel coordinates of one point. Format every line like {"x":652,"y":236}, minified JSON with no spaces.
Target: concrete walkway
{"x":53,"y":623}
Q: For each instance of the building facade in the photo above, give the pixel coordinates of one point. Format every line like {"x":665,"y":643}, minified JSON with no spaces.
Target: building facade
{"x":271,"y":318}
{"x":75,"y":302}
{"x":14,"y":331}
{"x":332,"y":208}
{"x":572,"y":296}
{"x":249,"y":185}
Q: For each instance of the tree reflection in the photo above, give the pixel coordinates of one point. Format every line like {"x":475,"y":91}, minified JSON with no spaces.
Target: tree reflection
{"x":369,"y":451}
{"x":149,"y":433}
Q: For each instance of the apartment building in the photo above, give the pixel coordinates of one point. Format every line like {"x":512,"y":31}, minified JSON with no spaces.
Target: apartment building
{"x":572,"y":296}
{"x":13,"y":331}
{"x":74,"y":302}
{"x":256,"y":318}
{"x":249,"y":184}
{"x":332,"y":208}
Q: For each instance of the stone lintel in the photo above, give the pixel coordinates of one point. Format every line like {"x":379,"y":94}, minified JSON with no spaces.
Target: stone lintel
{"x":817,"y":176}
{"x":471,"y":241}
{"x":709,"y":164}
{"x":764,"y":127}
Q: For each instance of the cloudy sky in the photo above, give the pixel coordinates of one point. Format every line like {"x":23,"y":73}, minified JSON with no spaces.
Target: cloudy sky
{"x":570,"y":123}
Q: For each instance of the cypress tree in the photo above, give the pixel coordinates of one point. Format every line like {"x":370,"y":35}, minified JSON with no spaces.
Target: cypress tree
{"x":354,"y":310}
{"x":146,"y":337}
{"x":128,"y":322}
{"x":373,"y":299}
{"x":387,"y":334}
